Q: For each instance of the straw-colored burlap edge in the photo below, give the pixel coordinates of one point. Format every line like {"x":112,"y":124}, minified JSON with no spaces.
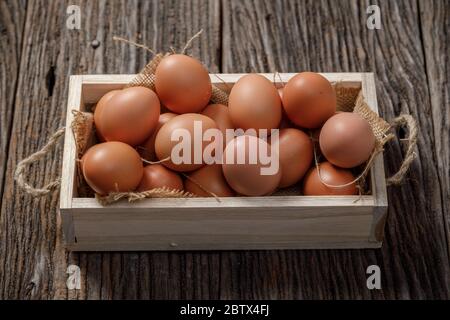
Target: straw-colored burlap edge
{"x":135,"y":196}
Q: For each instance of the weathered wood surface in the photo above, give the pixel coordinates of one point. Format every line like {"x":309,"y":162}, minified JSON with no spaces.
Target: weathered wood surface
{"x":238,"y":36}
{"x":12,"y":18}
{"x":435,"y":18}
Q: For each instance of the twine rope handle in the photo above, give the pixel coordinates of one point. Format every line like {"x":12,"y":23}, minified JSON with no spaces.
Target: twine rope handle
{"x":19,"y":174}
{"x":408,"y":121}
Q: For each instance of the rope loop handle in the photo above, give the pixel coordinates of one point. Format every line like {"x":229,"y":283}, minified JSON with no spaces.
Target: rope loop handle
{"x":19,"y":174}
{"x":407,"y":121}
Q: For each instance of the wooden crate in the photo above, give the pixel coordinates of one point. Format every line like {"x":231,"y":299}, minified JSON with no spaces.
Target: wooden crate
{"x":275,"y":222}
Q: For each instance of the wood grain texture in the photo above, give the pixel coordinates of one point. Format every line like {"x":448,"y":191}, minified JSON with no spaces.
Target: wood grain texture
{"x":12,"y":18}
{"x":256,"y":36}
{"x":323,"y":36}
{"x":435,"y":22}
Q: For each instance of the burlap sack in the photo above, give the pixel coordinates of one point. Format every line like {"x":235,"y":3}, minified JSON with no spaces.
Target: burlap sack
{"x":349,"y":99}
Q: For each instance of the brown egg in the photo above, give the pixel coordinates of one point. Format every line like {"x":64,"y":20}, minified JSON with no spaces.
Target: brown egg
{"x":296,"y":153}
{"x":112,"y":167}
{"x":147,"y":150}
{"x":220,"y":114}
{"x":309,"y":100}
{"x":183,"y":84}
{"x":207,"y":180}
{"x":254,"y":102}
{"x":332,"y":176}
{"x":129,"y":116}
{"x":158,"y":176}
{"x":347,"y":140}
{"x":98,"y":110}
{"x":164,"y":145}
{"x":245,"y":177}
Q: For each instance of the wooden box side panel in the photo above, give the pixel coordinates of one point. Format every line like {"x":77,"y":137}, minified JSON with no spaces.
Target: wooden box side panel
{"x":377,"y":172}
{"x":68,"y":172}
{"x":95,"y":86}
{"x":69,"y":154}
{"x":221,"y":229}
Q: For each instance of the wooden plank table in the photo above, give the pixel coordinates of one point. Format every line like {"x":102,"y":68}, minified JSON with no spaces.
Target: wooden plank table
{"x":409,"y":56}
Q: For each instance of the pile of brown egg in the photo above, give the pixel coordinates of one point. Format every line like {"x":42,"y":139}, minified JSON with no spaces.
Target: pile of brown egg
{"x":136,"y":139}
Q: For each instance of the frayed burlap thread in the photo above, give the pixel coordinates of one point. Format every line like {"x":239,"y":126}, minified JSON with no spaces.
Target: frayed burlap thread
{"x":136,"y":196}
